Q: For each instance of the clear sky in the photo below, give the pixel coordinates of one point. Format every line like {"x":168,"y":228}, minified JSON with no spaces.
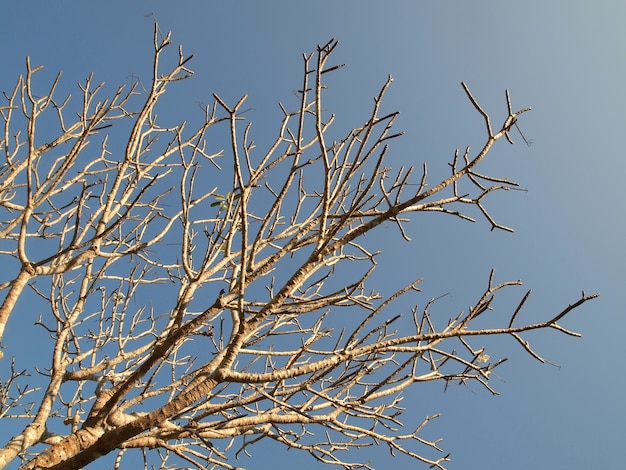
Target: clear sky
{"x":563,"y":58}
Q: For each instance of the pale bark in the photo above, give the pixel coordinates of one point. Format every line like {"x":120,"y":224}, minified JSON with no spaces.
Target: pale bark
{"x":259,"y":334}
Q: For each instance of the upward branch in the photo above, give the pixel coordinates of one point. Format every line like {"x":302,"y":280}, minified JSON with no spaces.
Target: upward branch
{"x":199,"y":318}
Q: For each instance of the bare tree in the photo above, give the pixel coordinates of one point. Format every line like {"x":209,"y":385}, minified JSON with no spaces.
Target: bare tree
{"x":196,"y":321}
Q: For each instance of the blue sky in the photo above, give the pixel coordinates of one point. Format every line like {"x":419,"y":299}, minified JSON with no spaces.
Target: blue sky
{"x":563,"y":58}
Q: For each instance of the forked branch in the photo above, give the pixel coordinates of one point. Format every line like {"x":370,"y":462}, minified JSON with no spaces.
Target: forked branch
{"x":232,"y":305}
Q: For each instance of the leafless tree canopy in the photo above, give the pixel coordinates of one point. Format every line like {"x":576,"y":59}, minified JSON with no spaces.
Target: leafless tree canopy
{"x":198,"y":301}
